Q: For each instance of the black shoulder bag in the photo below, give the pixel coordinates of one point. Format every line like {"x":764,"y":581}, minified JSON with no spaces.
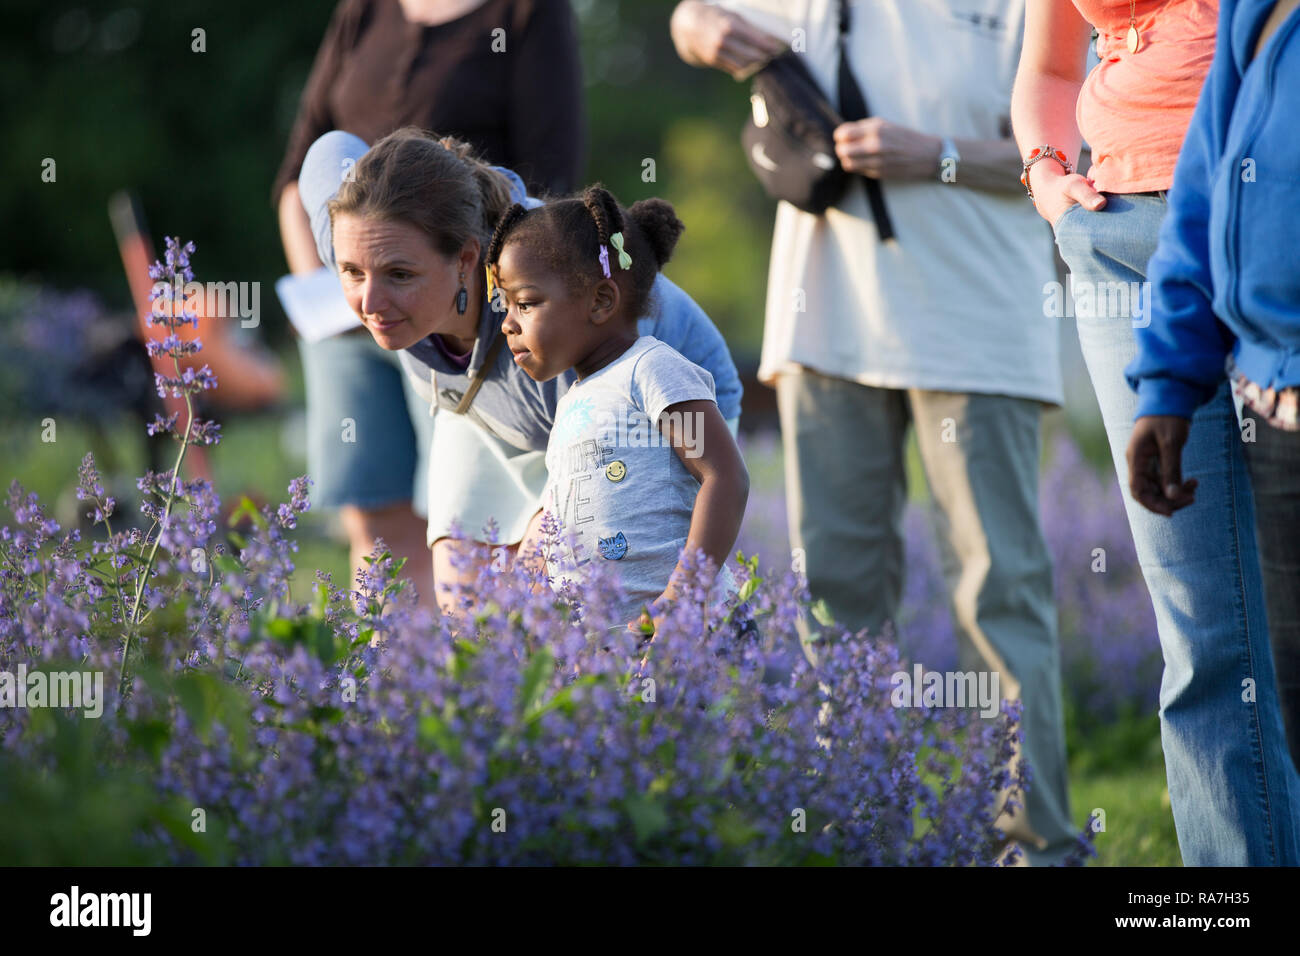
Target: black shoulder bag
{"x":789,"y":137}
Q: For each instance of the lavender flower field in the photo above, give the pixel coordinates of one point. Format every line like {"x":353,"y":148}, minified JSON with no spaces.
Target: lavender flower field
{"x":1110,"y":654}
{"x":235,"y":721}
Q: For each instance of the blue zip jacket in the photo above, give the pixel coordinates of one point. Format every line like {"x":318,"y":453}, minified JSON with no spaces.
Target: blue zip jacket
{"x":1225,"y":278}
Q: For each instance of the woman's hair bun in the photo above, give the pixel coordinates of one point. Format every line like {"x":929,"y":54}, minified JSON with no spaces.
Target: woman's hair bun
{"x":658,"y":223}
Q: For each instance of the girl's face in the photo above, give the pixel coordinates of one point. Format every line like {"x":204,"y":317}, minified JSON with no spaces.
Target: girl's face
{"x":549,"y":327}
{"x":401,"y":287}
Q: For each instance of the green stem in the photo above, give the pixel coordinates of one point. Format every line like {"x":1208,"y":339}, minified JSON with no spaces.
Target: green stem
{"x":143,"y":578}
{"x":117,"y":575}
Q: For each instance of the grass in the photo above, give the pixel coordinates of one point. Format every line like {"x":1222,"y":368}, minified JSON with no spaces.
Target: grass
{"x":1139,"y":828}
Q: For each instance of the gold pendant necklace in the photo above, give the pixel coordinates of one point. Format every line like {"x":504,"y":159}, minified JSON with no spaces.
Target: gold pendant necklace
{"x":1134,"y":38}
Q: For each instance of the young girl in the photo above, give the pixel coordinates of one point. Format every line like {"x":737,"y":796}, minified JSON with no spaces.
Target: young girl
{"x":640,"y":462}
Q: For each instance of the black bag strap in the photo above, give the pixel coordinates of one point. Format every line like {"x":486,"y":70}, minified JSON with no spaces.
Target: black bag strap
{"x":853,"y":106}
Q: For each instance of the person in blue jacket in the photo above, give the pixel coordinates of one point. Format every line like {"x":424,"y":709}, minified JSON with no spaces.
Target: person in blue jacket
{"x":1225,"y":301}
{"x":433,"y":205}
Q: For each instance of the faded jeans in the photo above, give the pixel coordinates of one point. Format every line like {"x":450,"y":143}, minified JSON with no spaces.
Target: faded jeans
{"x":1234,"y":792}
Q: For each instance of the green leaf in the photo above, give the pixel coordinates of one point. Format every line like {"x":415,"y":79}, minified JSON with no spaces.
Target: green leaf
{"x":561,"y":699}
{"x":226,"y":563}
{"x":463,"y":659}
{"x":149,"y":736}
{"x":324,"y":643}
{"x":822,"y":613}
{"x":433,"y":730}
{"x":310,"y":631}
{"x":283,"y":629}
{"x":647,"y":815}
{"x":236,"y":714}
{"x":733,"y":829}
{"x":200,"y":697}
{"x":539,"y":669}
{"x":246,"y":509}
{"x":177,"y":819}
{"x":326,"y":714}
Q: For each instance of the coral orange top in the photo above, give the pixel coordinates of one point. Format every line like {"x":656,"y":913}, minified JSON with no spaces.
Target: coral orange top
{"x":1134,"y":108}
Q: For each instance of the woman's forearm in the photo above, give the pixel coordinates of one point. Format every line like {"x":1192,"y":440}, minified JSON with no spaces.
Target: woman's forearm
{"x":1053,"y":59}
{"x":296,"y":234}
{"x":1042,"y":112}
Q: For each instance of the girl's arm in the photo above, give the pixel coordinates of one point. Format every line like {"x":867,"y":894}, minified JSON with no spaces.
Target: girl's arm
{"x":710,"y":454}
{"x":1048,"y":81}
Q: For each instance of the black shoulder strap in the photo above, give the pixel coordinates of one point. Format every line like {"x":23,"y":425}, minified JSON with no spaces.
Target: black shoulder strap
{"x":853,"y":106}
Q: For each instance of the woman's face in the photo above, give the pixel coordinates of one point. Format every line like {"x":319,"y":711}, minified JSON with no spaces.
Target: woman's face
{"x":399,"y":285}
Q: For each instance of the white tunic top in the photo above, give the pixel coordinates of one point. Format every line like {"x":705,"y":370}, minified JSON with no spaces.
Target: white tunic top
{"x":956,"y":303}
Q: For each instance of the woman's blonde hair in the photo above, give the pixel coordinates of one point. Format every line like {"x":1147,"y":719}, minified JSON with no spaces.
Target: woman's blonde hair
{"x":437,"y":184}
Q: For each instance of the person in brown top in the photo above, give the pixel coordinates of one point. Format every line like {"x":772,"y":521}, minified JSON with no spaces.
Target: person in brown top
{"x":503,"y":75}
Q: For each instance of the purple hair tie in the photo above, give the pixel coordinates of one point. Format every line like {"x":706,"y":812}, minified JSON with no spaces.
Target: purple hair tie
{"x":604,"y":259}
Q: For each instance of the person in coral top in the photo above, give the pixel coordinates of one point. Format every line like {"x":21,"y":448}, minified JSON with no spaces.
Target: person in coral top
{"x":1234,"y":793}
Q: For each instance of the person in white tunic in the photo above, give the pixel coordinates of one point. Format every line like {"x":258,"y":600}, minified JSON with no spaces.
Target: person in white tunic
{"x":941,"y":329}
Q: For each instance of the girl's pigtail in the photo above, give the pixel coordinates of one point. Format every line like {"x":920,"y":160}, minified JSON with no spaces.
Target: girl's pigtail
{"x":604,"y":210}
{"x":657,"y":222}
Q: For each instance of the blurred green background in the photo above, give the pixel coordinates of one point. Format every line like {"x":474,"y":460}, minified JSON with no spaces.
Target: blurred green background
{"x":113,"y":93}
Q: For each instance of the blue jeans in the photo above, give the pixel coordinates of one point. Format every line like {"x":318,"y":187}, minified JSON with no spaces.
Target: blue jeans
{"x":368,"y":433}
{"x":1234,"y":793}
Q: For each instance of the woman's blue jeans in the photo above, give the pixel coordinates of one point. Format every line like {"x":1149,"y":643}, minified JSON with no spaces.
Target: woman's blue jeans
{"x":1234,"y":792}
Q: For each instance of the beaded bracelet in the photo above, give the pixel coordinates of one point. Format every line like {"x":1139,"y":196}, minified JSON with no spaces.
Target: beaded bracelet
{"x":1042,"y":152}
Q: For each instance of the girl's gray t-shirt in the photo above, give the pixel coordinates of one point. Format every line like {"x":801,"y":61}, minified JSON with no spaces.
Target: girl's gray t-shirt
{"x":618,"y":489}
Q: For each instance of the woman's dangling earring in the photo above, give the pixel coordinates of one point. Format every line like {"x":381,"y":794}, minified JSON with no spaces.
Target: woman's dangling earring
{"x":462,"y":297}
